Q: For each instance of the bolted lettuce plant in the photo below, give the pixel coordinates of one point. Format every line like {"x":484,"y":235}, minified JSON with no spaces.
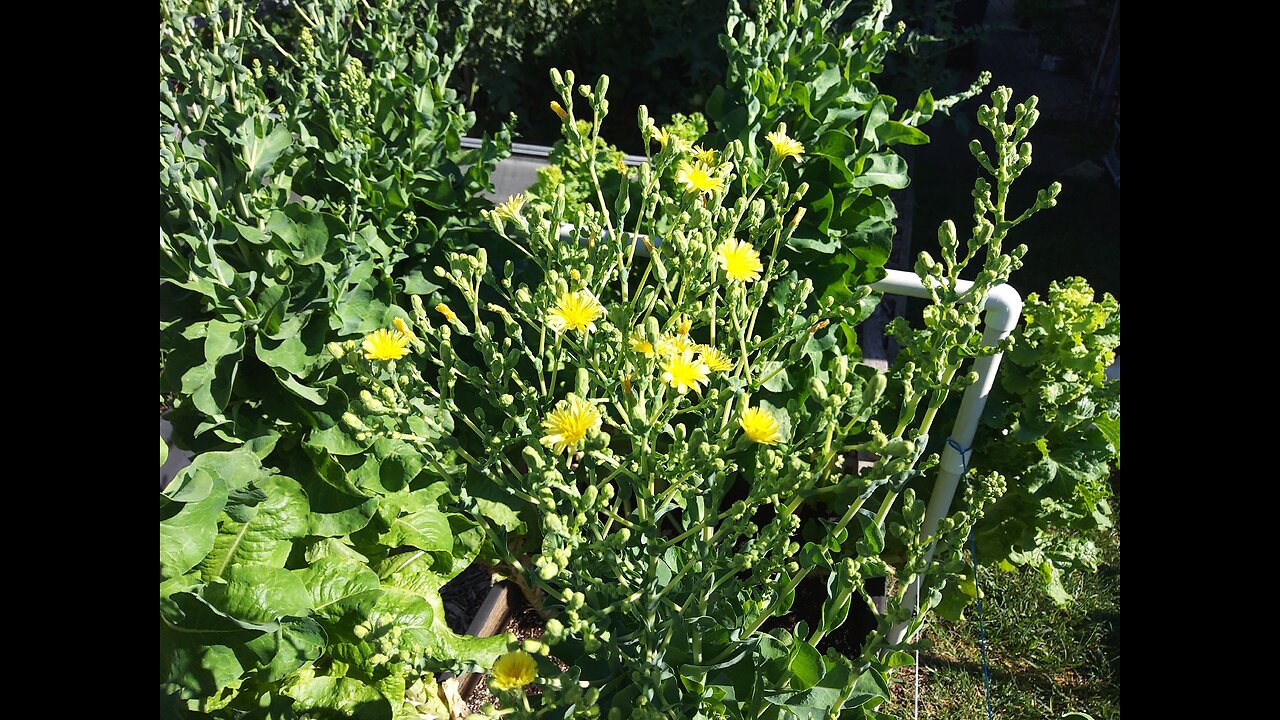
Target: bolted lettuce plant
{"x":661,"y":419}
{"x":310,"y":162}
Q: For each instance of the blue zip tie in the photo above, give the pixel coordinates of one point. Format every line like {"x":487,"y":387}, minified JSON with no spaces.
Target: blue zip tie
{"x":973,"y":555}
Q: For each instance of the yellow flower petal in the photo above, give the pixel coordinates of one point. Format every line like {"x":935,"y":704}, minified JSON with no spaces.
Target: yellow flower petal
{"x":567,"y":426}
{"x":642,"y":346}
{"x":784,"y":147}
{"x":739,"y":260}
{"x":514,"y":670}
{"x":385,"y":345}
{"x":575,"y":311}
{"x":716,"y":360}
{"x":684,"y":372}
{"x":699,"y":177}
{"x":760,"y":426}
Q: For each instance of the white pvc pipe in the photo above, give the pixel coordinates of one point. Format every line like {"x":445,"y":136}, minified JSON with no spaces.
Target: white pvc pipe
{"x":1003,"y":307}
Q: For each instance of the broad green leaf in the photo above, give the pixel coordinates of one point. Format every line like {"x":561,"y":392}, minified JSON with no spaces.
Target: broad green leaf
{"x":196,"y":621}
{"x":199,"y":671}
{"x":315,"y":396}
{"x":840,"y":592}
{"x":297,"y":642}
{"x":336,"y":584}
{"x":164,"y":451}
{"x":805,"y":666}
{"x":188,"y":530}
{"x":259,"y":534}
{"x":885,"y":169}
{"x":237,"y":468}
{"x":892,"y":133}
{"x":190,"y":486}
{"x":1110,"y":429}
{"x":259,"y":148}
{"x":259,"y":594}
{"x":338,"y":506}
{"x":779,"y":379}
{"x":361,"y":312}
{"x":426,"y":530}
{"x":898,"y":658}
{"x":412,"y":598}
{"x":339,"y":697}
{"x":336,"y":441}
{"x":872,"y":541}
{"x":222,"y":339}
{"x":290,"y":355}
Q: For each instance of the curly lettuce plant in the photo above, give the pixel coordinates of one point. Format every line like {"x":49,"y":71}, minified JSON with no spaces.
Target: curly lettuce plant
{"x":310,"y":162}
{"x":1054,"y":429}
{"x":659,"y":431}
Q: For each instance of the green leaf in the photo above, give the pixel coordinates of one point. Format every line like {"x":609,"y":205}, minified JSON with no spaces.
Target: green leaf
{"x":805,"y":666}
{"x":1110,"y":429}
{"x":336,"y":441}
{"x":198,"y":671}
{"x":188,"y":529}
{"x":296,"y":643}
{"x":898,"y":658}
{"x":290,"y":355}
{"x":893,"y":133}
{"x":191,"y":485}
{"x":196,"y":621}
{"x":885,"y":169}
{"x":337,"y":584}
{"x":164,"y":451}
{"x":313,"y":232}
{"x":415,"y":283}
{"x":260,"y":150}
{"x":237,"y":468}
{"x":222,"y":339}
{"x":345,"y":696}
{"x":259,"y":594}
{"x":361,"y":312}
{"x":426,"y":530}
{"x":872,"y":542}
{"x":259,"y":533}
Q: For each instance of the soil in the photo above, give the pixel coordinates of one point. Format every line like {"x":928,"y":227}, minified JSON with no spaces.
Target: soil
{"x":811,"y":596}
{"x":463,"y":596}
{"x":525,"y":623}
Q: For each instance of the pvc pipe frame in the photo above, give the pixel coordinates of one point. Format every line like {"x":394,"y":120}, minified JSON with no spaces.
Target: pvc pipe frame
{"x":1003,"y":308}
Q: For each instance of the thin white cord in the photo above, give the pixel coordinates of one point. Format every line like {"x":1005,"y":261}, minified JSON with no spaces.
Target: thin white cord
{"x":918,"y":581}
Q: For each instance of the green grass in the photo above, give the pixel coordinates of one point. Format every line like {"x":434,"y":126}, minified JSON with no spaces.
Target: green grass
{"x":1045,"y":661}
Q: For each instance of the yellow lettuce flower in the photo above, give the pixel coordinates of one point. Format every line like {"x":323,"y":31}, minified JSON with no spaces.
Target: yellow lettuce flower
{"x":514,"y":670}
{"x":684,"y":372}
{"x":760,"y":426}
{"x":739,"y":260}
{"x":784,"y":147}
{"x":716,"y":360}
{"x":567,"y":426}
{"x":385,"y":345}
{"x":642,"y":346}
{"x":577,"y":310}
{"x":699,"y":177}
